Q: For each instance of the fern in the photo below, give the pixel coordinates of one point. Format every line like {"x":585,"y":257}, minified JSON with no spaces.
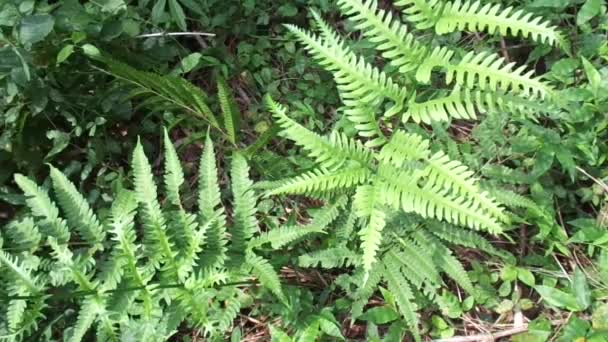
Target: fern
{"x":77,"y":211}
{"x":390,"y":36}
{"x":267,"y":276}
{"x":121,"y":291}
{"x":366,"y":206}
{"x":174,"y":90}
{"x":393,"y":174}
{"x":45,"y":211}
{"x":330,"y":258}
{"x":400,"y":288}
{"x":472,"y":15}
{"x":229,"y":109}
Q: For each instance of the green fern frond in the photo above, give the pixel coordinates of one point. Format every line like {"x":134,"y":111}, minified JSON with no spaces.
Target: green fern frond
{"x":160,"y":248}
{"x":326,"y":215}
{"x":444,"y":258}
{"x":512,"y":199}
{"x":79,"y":214}
{"x":356,"y":79}
{"x":465,"y":237}
{"x":401,"y":190}
{"x":366,"y":122}
{"x":440,"y":56}
{"x":23,"y":235}
{"x":322,"y":181}
{"x":400,"y":288}
{"x":174,"y":90}
{"x":345,"y":227}
{"x":423,"y":13}
{"x":366,"y":205}
{"x":230,"y":312}
{"x":181,"y":225}
{"x":404,"y":148}
{"x":14,"y":314}
{"x":22,"y":275}
{"x":89,"y":310}
{"x":330,"y":152}
{"x":266,"y":274}
{"x":208,"y":185}
{"x":245,"y":222}
{"x":284,"y":235}
{"x":390,"y":36}
{"x":211,"y":209}
{"x":335,"y":257}
{"x":418,"y":260}
{"x":488,"y":71}
{"x":465,"y":104}
{"x":230,"y":112}
{"x":174,"y":175}
{"x":457,"y":105}
{"x":453,"y":175}
{"x":43,"y":209}
{"x":472,"y":15}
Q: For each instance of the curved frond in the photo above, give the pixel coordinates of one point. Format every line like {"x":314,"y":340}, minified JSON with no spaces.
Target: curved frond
{"x":335,"y":257}
{"x":266,"y":274}
{"x":21,"y":273}
{"x":284,"y":235}
{"x":488,"y":71}
{"x":400,"y":288}
{"x":211,"y":209}
{"x":329,"y":152}
{"x":160,"y":248}
{"x":230,"y":111}
{"x":174,"y":175}
{"x":245,"y":223}
{"x":466,"y":238}
{"x":390,"y":36}
{"x":434,"y":201}
{"x":444,"y":258}
{"x":79,"y":214}
{"x":418,"y":260}
{"x":322,"y":181}
{"x":366,"y":205}
{"x":472,"y":15}
{"x":43,"y":209}
{"x":423,"y":13}
{"x":357,"y":80}
{"x":462,"y":103}
{"x":89,"y":310}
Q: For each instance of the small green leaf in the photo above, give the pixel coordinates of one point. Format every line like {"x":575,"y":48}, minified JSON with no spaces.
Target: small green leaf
{"x":188,"y":63}
{"x":380,"y":315}
{"x":593,"y":75}
{"x":504,"y":306}
{"x":35,"y":28}
{"x":526,"y":276}
{"x":66,"y":52}
{"x":575,"y":329}
{"x":278,"y":335}
{"x":288,"y":10}
{"x":599,"y":320}
{"x":558,"y":298}
{"x":580,"y":288}
{"x":158,"y":10}
{"x":508,"y":273}
{"x":60,"y":142}
{"x":590,"y":9}
{"x":177,"y":13}
{"x":90,"y":50}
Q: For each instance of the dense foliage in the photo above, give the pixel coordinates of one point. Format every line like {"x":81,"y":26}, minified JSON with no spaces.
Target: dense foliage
{"x":303,"y":170}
